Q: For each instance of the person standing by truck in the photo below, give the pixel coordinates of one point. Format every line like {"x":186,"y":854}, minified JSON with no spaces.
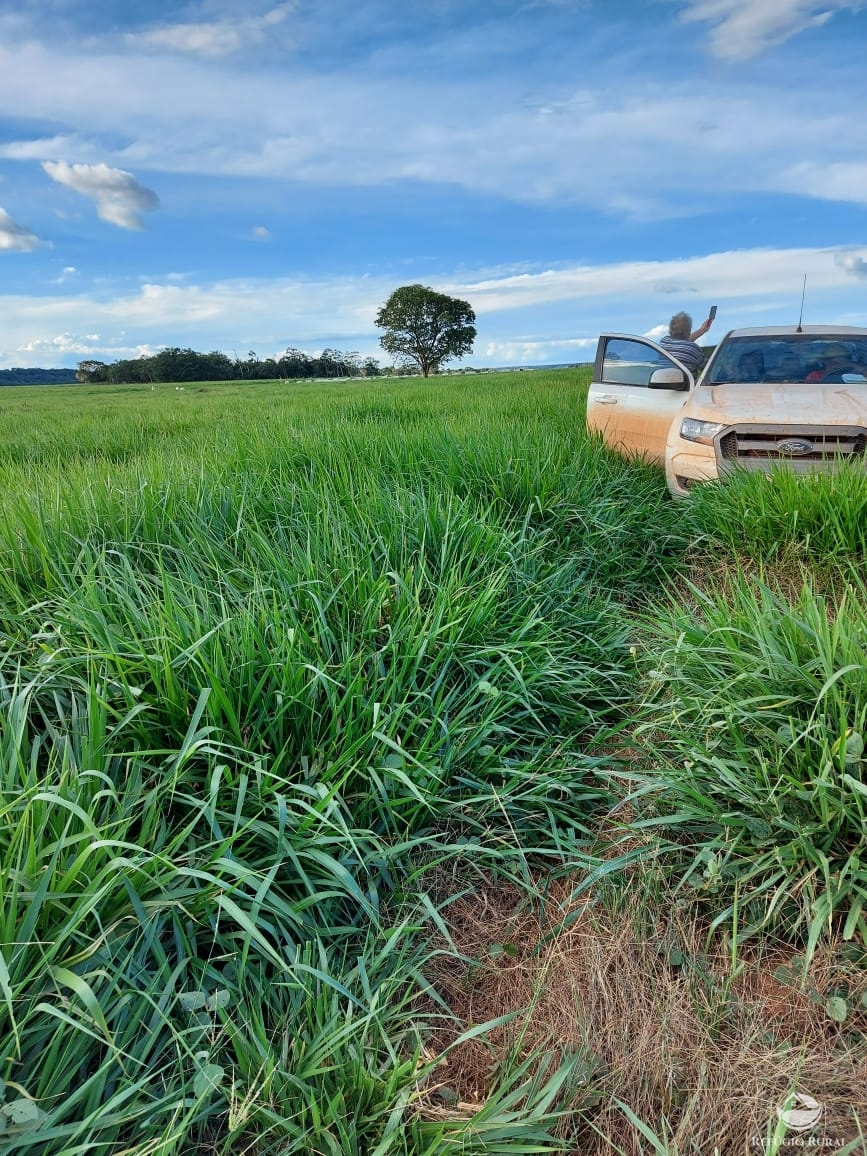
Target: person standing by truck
{"x":680,"y":341}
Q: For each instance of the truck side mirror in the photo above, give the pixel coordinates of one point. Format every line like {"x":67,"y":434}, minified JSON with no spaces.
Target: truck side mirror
{"x":673,"y":378}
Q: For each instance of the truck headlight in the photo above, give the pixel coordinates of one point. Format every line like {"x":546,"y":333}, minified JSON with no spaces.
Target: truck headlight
{"x":693,"y":430}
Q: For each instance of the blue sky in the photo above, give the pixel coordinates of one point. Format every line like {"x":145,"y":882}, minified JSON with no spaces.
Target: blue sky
{"x":188,"y":175}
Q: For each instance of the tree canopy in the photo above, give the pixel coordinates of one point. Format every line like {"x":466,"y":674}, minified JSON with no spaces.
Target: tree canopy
{"x":425,"y":327}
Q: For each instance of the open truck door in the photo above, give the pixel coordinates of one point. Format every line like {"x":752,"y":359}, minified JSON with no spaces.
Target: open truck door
{"x":636,"y":392}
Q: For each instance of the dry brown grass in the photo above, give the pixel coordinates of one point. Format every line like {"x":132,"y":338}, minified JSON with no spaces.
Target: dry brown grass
{"x":786,"y":577}
{"x":662,"y":1023}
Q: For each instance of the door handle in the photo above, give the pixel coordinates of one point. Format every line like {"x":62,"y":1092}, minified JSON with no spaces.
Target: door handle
{"x":606,"y":399}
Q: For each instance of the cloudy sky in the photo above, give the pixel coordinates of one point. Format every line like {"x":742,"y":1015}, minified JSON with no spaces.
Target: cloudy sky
{"x":185,"y":175}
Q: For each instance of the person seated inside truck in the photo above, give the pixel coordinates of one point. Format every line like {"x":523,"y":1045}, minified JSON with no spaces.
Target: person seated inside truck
{"x":836,"y":361}
{"x":751,"y":366}
{"x":681,"y":340}
{"x":789,"y":369}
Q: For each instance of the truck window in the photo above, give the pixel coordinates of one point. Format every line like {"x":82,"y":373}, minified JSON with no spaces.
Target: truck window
{"x":630,"y":362}
{"x":797,"y":358}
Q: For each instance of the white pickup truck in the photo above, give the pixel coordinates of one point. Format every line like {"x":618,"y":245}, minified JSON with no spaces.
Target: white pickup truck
{"x":793,"y":395}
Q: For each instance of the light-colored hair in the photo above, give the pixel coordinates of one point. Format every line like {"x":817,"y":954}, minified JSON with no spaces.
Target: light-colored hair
{"x":680,"y":325}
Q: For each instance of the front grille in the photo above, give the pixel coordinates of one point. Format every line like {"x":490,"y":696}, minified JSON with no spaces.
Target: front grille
{"x":746,"y":444}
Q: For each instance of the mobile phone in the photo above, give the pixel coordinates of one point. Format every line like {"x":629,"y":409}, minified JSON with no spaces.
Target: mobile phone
{"x":712,"y":313}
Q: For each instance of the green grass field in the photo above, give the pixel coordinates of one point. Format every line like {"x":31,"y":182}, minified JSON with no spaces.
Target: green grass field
{"x":386,"y":768}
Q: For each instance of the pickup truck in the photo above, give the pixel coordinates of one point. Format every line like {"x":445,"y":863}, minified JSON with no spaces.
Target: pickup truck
{"x":793,"y":396}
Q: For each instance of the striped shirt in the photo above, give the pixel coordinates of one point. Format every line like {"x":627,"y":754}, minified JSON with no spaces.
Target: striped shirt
{"x":687,"y":352}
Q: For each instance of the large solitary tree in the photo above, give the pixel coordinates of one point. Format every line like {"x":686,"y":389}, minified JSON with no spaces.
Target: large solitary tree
{"x":425,"y":327}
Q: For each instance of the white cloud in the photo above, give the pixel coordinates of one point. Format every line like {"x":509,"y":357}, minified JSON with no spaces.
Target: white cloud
{"x":533,"y":352}
{"x":745,"y":28}
{"x":62,"y":344}
{"x":733,"y":275}
{"x":841,"y":181}
{"x":260,"y":233}
{"x":15,"y":238}
{"x":212,"y":39}
{"x":118,"y":195}
{"x":609,"y":147}
{"x":853,"y":263}
{"x":36,"y":149}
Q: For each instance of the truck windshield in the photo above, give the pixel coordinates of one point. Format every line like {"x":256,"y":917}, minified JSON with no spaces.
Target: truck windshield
{"x":795,"y":358}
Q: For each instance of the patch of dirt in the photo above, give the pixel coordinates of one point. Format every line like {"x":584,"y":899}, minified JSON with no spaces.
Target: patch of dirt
{"x":701,"y":1050}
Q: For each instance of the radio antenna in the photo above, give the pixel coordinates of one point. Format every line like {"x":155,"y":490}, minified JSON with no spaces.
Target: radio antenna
{"x":801,"y":317}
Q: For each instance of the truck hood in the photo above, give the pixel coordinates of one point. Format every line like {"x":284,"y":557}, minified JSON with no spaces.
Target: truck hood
{"x":811,"y":403}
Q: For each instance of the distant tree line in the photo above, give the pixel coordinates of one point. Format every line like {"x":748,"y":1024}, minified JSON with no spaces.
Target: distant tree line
{"x":188,"y":365}
{"x":22,"y":376}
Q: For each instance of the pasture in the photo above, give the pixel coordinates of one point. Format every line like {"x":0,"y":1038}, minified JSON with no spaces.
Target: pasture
{"x":386,"y":768}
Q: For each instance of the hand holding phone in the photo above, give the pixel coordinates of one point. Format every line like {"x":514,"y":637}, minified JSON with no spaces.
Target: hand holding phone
{"x":712,"y":313}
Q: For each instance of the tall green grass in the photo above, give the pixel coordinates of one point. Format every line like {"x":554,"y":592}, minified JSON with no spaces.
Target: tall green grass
{"x":817,"y":519}
{"x":267,"y":661}
{"x":194,"y":958}
{"x":755,"y":715}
